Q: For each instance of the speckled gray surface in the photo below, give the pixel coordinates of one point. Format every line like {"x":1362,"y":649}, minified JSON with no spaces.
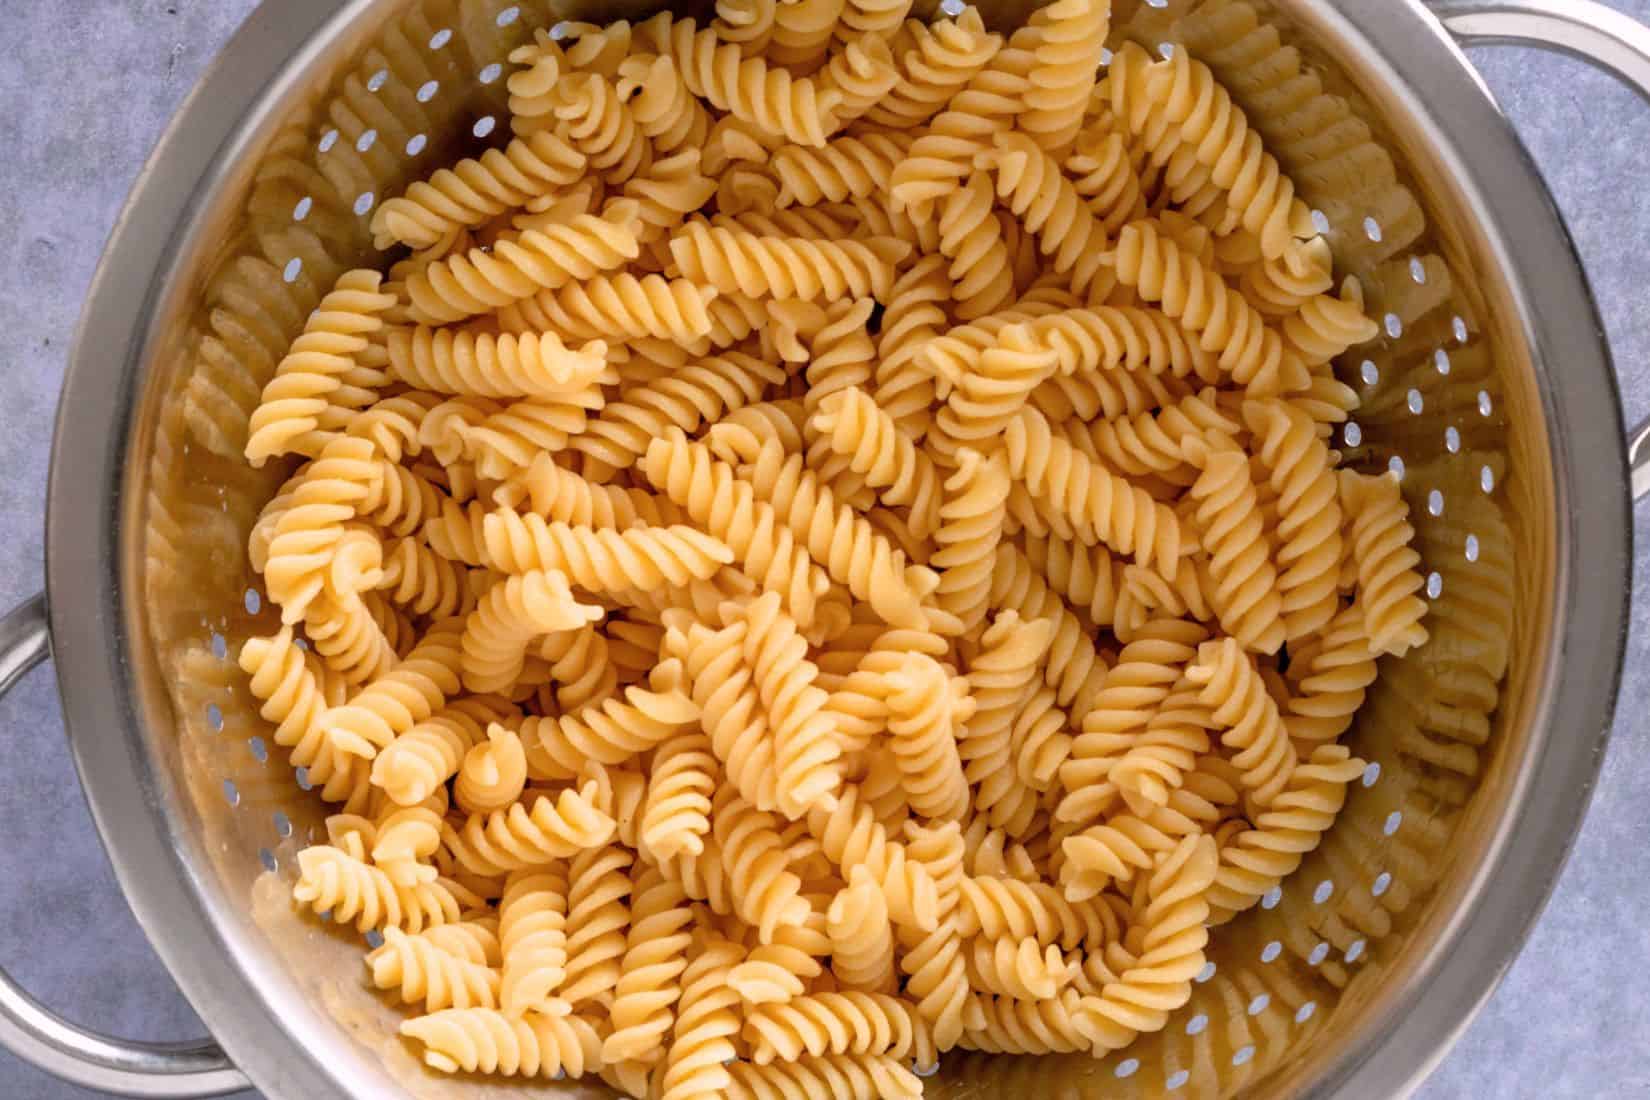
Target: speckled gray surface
{"x":88,"y":86}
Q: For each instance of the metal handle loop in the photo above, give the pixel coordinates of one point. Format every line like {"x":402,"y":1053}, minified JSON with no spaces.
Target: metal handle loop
{"x":1598,"y":35}
{"x":36,"y":1034}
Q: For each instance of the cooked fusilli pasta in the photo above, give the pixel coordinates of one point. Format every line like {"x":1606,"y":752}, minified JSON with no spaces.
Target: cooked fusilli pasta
{"x":617,"y":307}
{"x":827,"y":549}
{"x":486,"y":279}
{"x":738,"y":262}
{"x":482,"y":365}
{"x":1385,"y":562}
{"x":483,"y":1040}
{"x":327,"y":376}
{"x":472,"y":192}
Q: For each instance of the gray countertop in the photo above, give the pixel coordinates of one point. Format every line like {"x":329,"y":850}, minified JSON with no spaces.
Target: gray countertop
{"x":88,"y":86}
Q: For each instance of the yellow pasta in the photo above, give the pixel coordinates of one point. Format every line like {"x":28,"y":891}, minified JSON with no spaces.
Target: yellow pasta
{"x":602,"y":559}
{"x":422,"y":972}
{"x":1146,"y":669}
{"x":596,"y":122}
{"x":1001,"y":679}
{"x":837,"y":1023}
{"x":487,"y":1041}
{"x":1103,"y":173}
{"x":683,"y":400}
{"x":1309,"y":514}
{"x":1098,"y":506}
{"x":1031,"y":184}
{"x":1074,"y":669}
{"x":706,"y":1024}
{"x":413,"y":766}
{"x":522,"y":837}
{"x":597,"y":917}
{"x":1258,"y":859}
{"x":538,"y":259}
{"x":514,"y":611}
{"x":323,"y":379}
{"x":734,"y":261}
{"x":1160,"y":980}
{"x":493,"y":774}
{"x":399,"y":699}
{"x":532,"y":941}
{"x":923,"y":716}
{"x":749,"y":89}
{"x":862,"y":939}
{"x":939,"y":59}
{"x":1069,"y":39}
{"x":1018,"y":969}
{"x":354,"y":891}
{"x":531,"y":365}
{"x":834,"y":1076}
{"x":665,"y":110}
{"x":823,"y":548}
{"x":915,"y":314}
{"x":617,"y":307}
{"x":649,"y":975}
{"x":474,"y":191}
{"x":944,"y":155}
{"x":766,"y":894}
{"x":1385,"y":562}
{"x":1247,"y":715}
{"x":860,"y":73}
{"x":847,"y":167}
{"x":1241,"y":560}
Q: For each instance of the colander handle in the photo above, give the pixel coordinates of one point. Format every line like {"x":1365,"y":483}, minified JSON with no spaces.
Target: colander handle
{"x":1601,"y":36}
{"x":38,"y":1035}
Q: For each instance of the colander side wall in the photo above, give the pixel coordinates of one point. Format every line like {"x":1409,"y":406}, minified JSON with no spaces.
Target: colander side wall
{"x":199,"y":294}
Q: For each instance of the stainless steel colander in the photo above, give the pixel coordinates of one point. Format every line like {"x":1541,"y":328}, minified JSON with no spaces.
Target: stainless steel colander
{"x":1489,"y":391}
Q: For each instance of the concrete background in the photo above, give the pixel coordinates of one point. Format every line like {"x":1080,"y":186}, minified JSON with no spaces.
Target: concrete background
{"x":87,"y":87}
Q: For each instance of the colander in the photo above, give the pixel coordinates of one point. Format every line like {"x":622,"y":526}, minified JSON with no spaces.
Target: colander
{"x":1489,"y":392}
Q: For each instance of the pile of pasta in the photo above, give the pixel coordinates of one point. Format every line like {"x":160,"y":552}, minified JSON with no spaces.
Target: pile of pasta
{"x":825,"y":550}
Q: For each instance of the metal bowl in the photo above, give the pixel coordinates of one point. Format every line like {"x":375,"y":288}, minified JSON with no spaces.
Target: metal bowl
{"x":1490,"y":389}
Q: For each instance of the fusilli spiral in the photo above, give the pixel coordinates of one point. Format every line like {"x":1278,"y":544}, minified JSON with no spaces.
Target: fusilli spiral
{"x":1247,"y":715}
{"x":532,"y":935}
{"x":334,"y":881}
{"x":1385,"y":562}
{"x":747,"y":88}
{"x":483,"y":365}
{"x":474,"y":191}
{"x":1166,"y":274}
{"x":650,"y":973}
{"x":422,"y":972}
{"x":939,"y":60}
{"x":522,"y":837}
{"x":733,"y":261}
{"x":1245,"y":595}
{"x":483,"y":1040}
{"x":538,"y":259}
{"x":617,"y":307}
{"x":1069,"y":40}
{"x":326,"y":375}
{"x":837,"y":1076}
{"x":837,"y":1023}
{"x":493,"y":773}
{"x":1098,"y":506}
{"x":1309,"y":514}
{"x":513,"y":612}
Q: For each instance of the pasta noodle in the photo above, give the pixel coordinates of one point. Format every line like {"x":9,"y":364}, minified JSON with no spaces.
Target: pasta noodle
{"x":823,"y":548}
{"x":474,"y":191}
